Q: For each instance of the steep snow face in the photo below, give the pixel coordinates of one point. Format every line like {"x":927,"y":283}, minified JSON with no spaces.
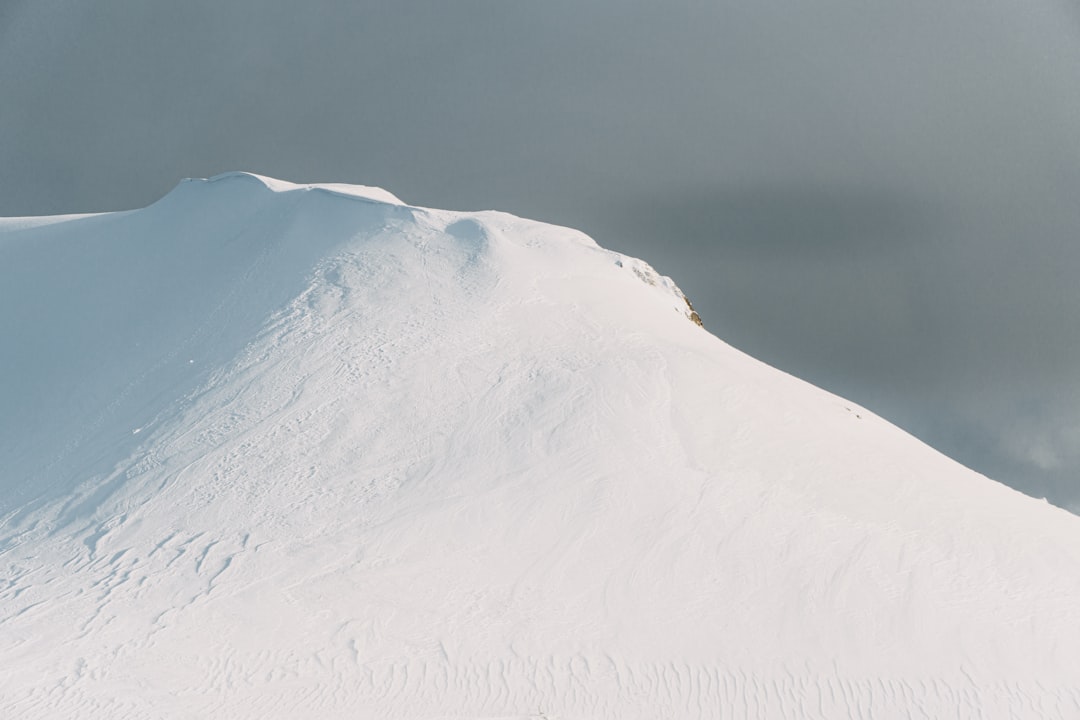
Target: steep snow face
{"x":275,"y":450}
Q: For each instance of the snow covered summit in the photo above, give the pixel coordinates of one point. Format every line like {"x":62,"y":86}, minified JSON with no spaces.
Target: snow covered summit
{"x":274,"y":450}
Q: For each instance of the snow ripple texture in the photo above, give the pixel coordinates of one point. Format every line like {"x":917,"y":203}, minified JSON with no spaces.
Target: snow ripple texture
{"x":288,"y":451}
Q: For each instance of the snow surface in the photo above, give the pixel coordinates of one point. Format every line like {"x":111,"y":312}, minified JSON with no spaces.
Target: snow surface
{"x":303,"y":451}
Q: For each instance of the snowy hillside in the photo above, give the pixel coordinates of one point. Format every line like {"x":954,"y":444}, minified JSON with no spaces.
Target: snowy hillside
{"x":279,"y":451}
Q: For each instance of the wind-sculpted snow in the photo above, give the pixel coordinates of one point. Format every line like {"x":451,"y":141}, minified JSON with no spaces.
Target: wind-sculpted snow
{"x":283,"y":451}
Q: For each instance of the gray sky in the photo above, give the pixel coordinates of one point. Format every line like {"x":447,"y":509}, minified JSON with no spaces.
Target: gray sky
{"x":880,"y":197}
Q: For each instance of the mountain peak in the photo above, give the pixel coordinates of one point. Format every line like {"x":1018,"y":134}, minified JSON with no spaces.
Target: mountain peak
{"x":272,"y":452}
{"x":363,"y":192}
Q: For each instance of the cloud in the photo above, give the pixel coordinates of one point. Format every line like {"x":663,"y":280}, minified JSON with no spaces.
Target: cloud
{"x":878,"y":197}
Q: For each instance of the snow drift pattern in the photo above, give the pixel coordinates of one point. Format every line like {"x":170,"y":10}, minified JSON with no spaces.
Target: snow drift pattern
{"x":305,"y":451}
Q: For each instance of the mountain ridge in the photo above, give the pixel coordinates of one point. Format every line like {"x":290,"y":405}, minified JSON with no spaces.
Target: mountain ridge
{"x":282,"y":454}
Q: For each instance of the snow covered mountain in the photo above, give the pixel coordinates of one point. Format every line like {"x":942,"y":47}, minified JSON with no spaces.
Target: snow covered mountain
{"x":280,"y":451}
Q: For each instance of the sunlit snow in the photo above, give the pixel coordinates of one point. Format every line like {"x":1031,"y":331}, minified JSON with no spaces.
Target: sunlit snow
{"x":304,"y":451}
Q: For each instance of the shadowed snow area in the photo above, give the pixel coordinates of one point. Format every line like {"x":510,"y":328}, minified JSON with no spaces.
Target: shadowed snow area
{"x":288,"y":451}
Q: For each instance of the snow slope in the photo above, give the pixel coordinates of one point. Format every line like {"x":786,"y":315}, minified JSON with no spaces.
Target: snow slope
{"x":281,"y":451}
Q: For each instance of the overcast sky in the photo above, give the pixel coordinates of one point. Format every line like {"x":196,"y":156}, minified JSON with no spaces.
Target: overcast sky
{"x":881,"y":197}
